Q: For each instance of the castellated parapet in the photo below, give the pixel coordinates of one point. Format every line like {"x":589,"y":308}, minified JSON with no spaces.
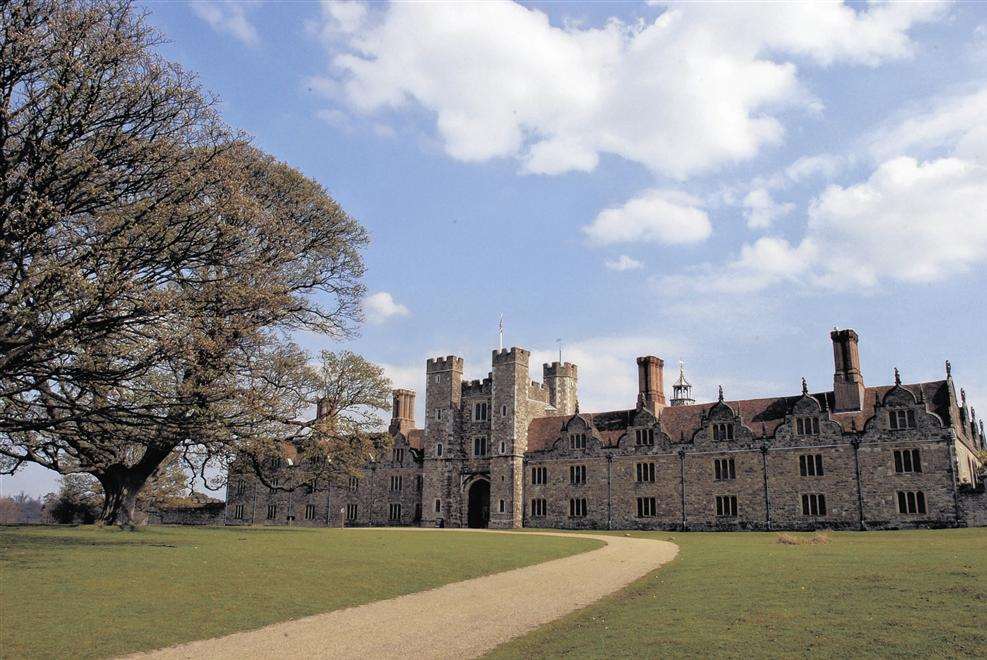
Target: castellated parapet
{"x":505,"y":452}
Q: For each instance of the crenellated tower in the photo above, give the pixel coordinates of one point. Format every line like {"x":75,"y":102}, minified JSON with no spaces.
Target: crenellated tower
{"x":561,"y":379}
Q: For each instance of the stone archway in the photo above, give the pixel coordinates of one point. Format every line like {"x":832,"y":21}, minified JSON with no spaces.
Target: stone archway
{"x":478,"y":504}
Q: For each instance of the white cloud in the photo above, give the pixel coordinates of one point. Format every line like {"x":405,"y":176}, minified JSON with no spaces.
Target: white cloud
{"x":955,"y":122}
{"x":662,"y":92}
{"x":228,"y":17}
{"x":911,"y":220}
{"x":622,"y":263}
{"x":761,"y":210}
{"x":381,"y":306}
{"x":655,"y":216}
{"x":821,"y":165}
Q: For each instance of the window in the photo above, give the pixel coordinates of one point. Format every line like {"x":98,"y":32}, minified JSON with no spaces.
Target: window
{"x":275,"y":463}
{"x":503,"y":506}
{"x":807,"y":426}
{"x":902,"y":419}
{"x":418,"y":482}
{"x":396,"y":482}
{"x":726,"y":506}
{"x":272,"y":511}
{"x":503,"y":410}
{"x":394,"y":512}
{"x":907,"y":460}
{"x":723,"y":469}
{"x":647,"y":507}
{"x":481,"y":412}
{"x":354,"y":482}
{"x":644,"y":437}
{"x":810,"y":465}
{"x":722,"y":431}
{"x":438,"y":414}
{"x":577,"y":474}
{"x":238,"y":512}
{"x":399,"y":455}
{"x":240,"y":485}
{"x":911,"y":501}
{"x":438,"y":506}
{"x":438,"y":449}
{"x":351,"y":512}
{"x":645,"y":472}
{"x":577,"y":441}
{"x":503,"y":447}
{"x":539,"y":476}
{"x":577,"y":507}
{"x":538,"y":507}
{"x":479,"y":446}
{"x":813,"y":505}
{"x":309,"y":512}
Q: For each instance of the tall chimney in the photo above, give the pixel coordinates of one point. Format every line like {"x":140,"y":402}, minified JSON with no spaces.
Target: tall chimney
{"x":848,"y":383}
{"x":650,"y":383}
{"x":403,"y":412}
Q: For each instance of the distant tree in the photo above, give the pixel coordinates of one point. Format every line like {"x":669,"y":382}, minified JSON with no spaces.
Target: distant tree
{"x":154,"y":267}
{"x":78,"y":500}
{"x":347,"y":433}
{"x":10,"y":511}
{"x":30,"y":507}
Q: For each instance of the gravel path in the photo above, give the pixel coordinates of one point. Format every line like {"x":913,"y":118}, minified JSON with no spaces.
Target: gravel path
{"x":463,"y":619}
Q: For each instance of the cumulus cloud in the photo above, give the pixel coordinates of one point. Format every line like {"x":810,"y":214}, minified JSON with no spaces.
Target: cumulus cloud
{"x":761,"y":210}
{"x":661,"y":91}
{"x":622,"y":263}
{"x":911,"y":220}
{"x":381,"y":306}
{"x":917,"y":216}
{"x":655,"y":216}
{"x":227,"y":17}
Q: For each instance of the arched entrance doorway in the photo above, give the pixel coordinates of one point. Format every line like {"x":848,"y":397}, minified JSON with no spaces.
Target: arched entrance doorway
{"x":478,"y":514}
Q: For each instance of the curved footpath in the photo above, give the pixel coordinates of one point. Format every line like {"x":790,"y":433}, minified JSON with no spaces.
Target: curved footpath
{"x":462,"y":619}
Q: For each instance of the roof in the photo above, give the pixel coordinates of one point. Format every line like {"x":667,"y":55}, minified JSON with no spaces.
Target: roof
{"x":416,"y":438}
{"x":681,"y":422}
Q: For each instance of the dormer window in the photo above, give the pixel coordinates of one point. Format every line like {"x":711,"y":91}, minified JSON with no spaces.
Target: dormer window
{"x":902,"y":419}
{"x":577,"y":441}
{"x":723,"y":431}
{"x":807,"y":426}
{"x":644,"y":437}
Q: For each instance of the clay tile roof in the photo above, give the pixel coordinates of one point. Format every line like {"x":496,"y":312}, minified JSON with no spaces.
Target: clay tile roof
{"x":416,"y":438}
{"x":543,"y":431}
{"x":768,"y":413}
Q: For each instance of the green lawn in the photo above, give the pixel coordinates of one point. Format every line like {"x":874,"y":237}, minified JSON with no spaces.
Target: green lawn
{"x":71,"y":592}
{"x":908,"y":593}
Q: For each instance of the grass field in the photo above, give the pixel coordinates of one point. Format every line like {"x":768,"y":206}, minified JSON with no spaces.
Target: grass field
{"x":81,"y":592}
{"x":909,"y":593}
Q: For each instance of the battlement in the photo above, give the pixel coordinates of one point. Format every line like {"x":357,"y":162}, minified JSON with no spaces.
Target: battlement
{"x":514,"y":354}
{"x":448,"y":363}
{"x":478,"y":387}
{"x":558,"y":370}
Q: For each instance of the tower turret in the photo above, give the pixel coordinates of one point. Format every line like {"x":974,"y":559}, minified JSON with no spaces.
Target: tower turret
{"x":650,"y":379}
{"x":682,"y":389}
{"x":560,"y":378}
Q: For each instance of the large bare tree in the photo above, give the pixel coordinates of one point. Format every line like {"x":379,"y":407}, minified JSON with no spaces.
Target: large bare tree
{"x":153,"y":266}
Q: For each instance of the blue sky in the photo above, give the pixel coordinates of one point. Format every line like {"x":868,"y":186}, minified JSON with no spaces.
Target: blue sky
{"x":714,"y":183}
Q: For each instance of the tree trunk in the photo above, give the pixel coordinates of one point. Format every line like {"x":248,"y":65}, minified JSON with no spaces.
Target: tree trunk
{"x":120,"y":498}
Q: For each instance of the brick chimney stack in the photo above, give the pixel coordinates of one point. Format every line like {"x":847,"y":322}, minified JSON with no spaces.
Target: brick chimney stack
{"x":650,"y":383}
{"x":848,"y":382}
{"x":403,"y":412}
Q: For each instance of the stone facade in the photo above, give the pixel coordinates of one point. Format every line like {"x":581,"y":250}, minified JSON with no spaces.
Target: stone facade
{"x":507,"y":452}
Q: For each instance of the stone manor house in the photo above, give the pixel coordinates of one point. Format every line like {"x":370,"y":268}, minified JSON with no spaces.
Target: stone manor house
{"x":509,"y":452}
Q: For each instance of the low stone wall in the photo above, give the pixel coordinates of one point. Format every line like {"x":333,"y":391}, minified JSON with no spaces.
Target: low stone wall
{"x":207,"y":514}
